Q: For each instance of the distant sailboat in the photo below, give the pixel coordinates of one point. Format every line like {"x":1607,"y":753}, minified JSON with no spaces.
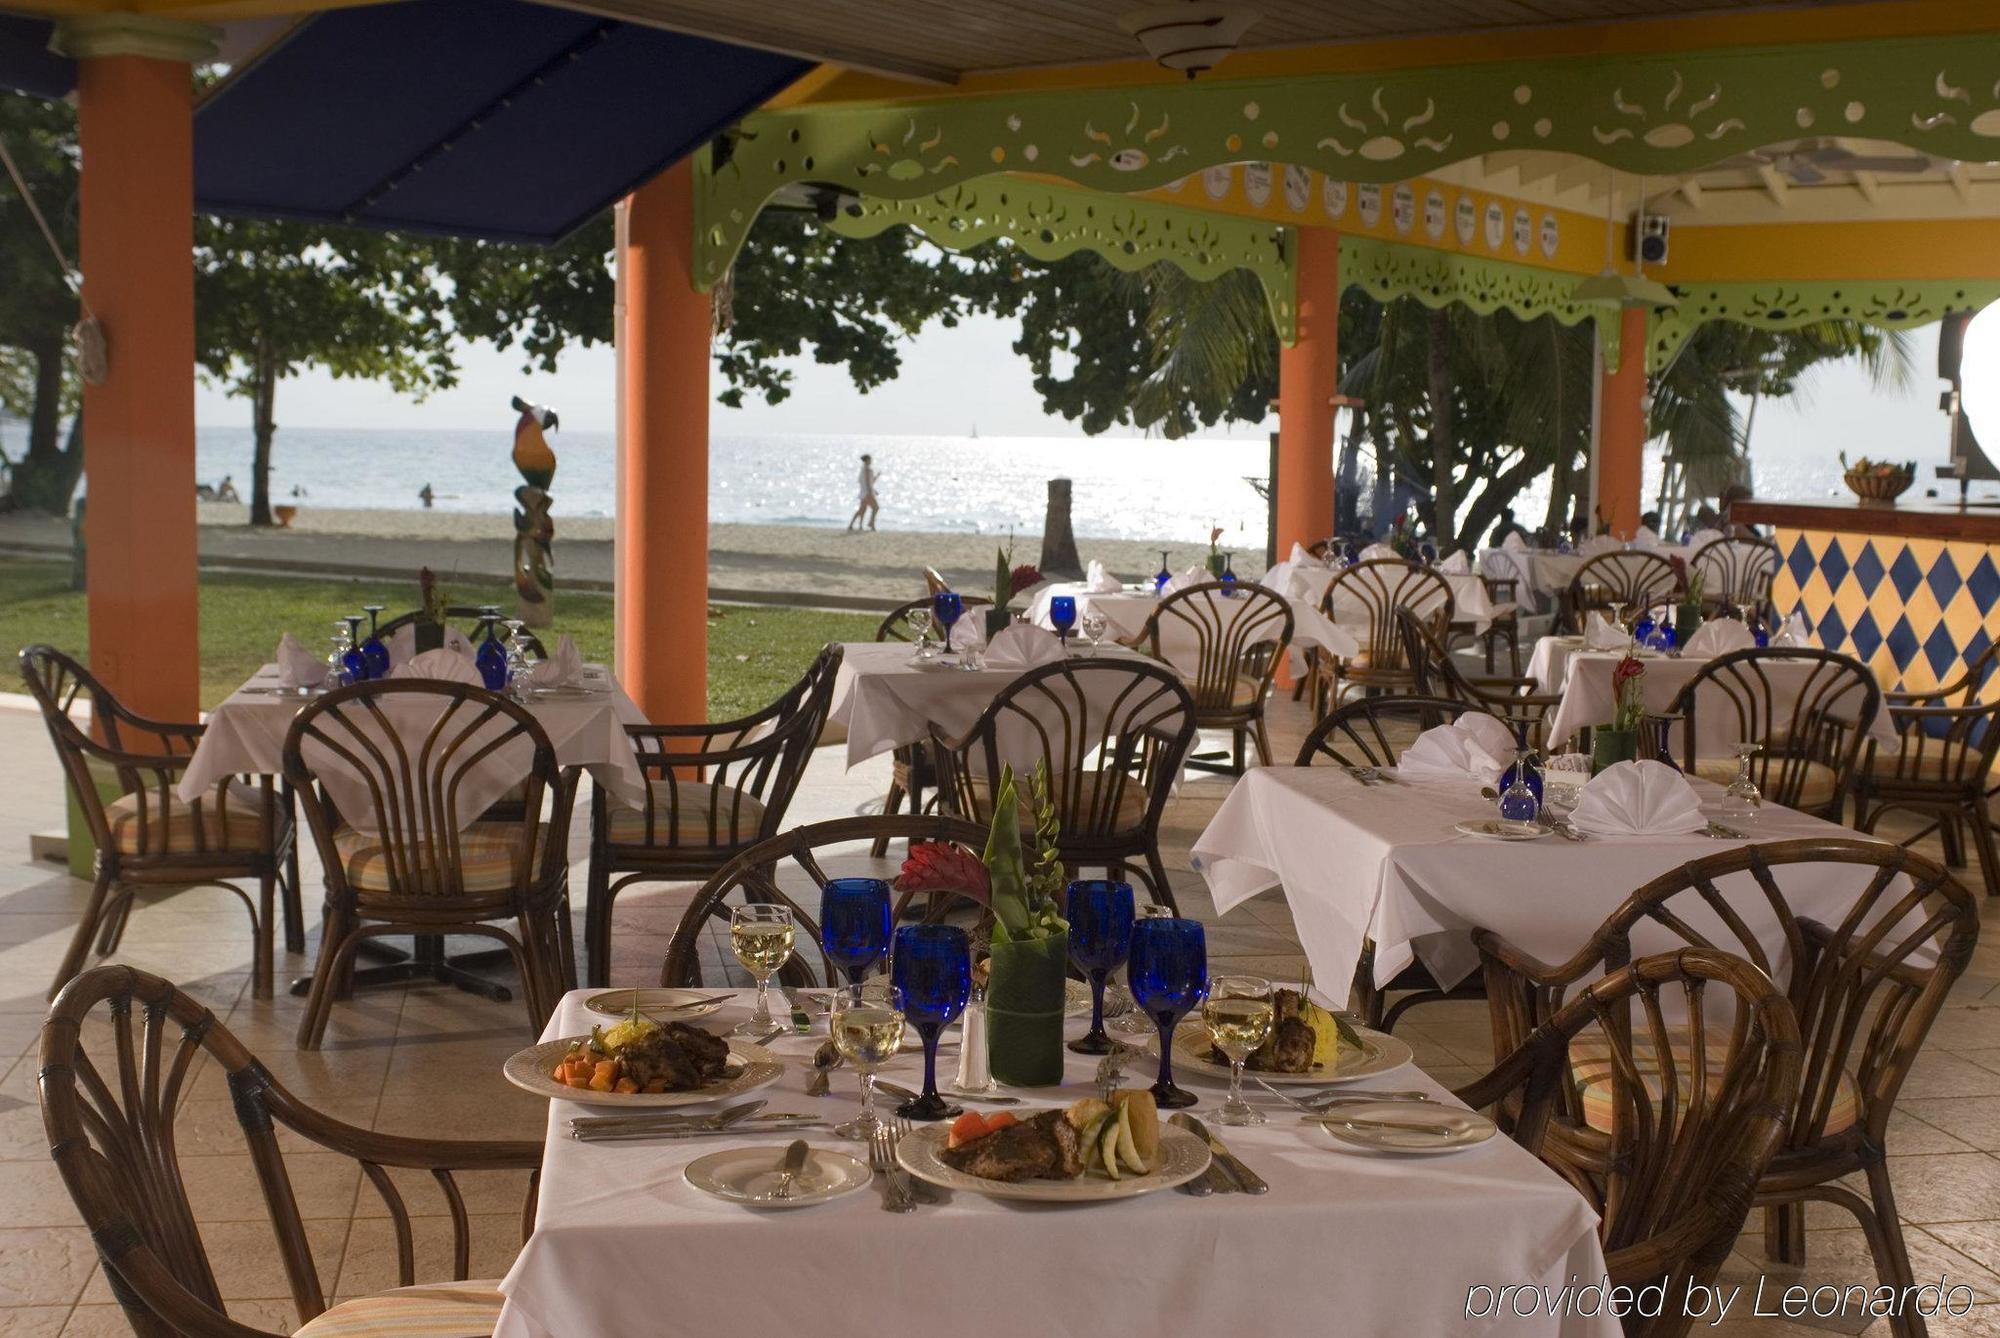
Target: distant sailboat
{"x":974,"y":434}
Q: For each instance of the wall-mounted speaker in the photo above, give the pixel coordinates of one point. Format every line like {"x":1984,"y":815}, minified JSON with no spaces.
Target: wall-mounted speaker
{"x":1650,"y":242}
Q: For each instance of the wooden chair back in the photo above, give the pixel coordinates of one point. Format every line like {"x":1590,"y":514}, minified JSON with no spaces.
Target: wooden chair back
{"x":1374,"y":731}
{"x":1512,"y":700}
{"x":1631,"y":577}
{"x":1376,"y":593}
{"x":754,"y":877}
{"x":402,"y":752}
{"x":1225,"y":642}
{"x":1736,"y":573}
{"x":1687,"y":1144}
{"x":119,"y":1052}
{"x":1864,"y":988}
{"x":1813,"y":712}
{"x":1112,"y":733}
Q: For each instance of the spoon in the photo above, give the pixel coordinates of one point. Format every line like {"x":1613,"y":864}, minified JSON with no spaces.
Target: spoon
{"x":825,"y":1060}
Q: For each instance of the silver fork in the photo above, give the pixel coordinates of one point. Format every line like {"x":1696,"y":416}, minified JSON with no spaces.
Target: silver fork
{"x":920,"y":1190}
{"x":882,"y":1158}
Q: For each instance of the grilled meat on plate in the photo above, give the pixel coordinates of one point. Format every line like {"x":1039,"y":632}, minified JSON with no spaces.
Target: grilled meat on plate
{"x":1044,"y":1147}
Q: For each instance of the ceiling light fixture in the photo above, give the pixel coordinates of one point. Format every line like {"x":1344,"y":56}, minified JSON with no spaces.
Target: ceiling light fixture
{"x":1192,"y":36}
{"x":1609,"y":288}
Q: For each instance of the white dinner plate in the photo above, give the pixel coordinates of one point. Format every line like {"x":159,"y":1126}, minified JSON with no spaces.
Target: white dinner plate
{"x":1380,"y":1052}
{"x":533,"y":1070}
{"x":749,"y":1176}
{"x":1492,"y":829}
{"x":662,"y":1005}
{"x":1354,"y":1125}
{"x":1181,"y":1157}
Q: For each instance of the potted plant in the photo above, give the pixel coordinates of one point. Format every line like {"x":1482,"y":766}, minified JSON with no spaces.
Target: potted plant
{"x":1619,"y":740}
{"x":1687,"y":617}
{"x":433,"y":607}
{"x":1008,"y":581}
{"x":1217,"y":560}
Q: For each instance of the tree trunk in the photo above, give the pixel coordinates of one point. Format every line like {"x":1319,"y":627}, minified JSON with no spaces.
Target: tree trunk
{"x":1345,"y":503}
{"x":263,"y":397}
{"x":46,"y":477}
{"x":1444,"y":453}
{"x":1058,"y":537}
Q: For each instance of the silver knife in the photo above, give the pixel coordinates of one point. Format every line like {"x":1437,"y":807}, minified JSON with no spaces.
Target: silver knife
{"x":802,"y":1021}
{"x":1246,"y":1179}
{"x":789,"y":1168}
{"x":720,"y":1119}
{"x":907,"y":1094}
{"x":699,"y":1131}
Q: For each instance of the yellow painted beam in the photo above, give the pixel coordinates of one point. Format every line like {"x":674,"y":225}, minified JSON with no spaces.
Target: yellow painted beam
{"x":1705,"y":32}
{"x":1957,"y":248}
{"x":804,"y":88}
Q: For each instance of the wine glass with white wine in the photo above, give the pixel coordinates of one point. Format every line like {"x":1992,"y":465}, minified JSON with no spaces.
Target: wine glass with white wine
{"x":867,"y":1031}
{"x":761,"y":937}
{"x":1239,"y":1012}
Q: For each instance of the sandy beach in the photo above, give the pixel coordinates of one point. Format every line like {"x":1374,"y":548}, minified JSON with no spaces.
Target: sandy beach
{"x":881,"y":567}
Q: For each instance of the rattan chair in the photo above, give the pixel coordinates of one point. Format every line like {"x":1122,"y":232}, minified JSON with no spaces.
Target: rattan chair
{"x":712,"y":790}
{"x":800,"y":858}
{"x":1736,"y":574}
{"x":911,"y":772}
{"x":1633,"y":578}
{"x":1687,"y":1117}
{"x":1504,"y":626}
{"x":1225,"y":643}
{"x":111,"y":1109}
{"x":1943,"y":770}
{"x":1865,"y":989}
{"x":1368,"y":598}
{"x":413,"y":851}
{"x":1373,"y":732}
{"x":1113,"y":733}
{"x":1810,"y":721}
{"x":147,"y":837}
{"x":1437,"y":674}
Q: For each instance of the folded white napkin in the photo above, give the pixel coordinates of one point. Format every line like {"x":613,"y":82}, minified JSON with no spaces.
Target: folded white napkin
{"x":1192,"y":576}
{"x":1638,"y":799}
{"x":1023,"y":647}
{"x":1514,"y":543}
{"x":1601,"y":543}
{"x":402,"y":644}
{"x":1298,"y":555}
{"x":297,"y":666}
{"x":1700,"y":537}
{"x":1474,"y":745}
{"x":563,"y":667}
{"x":1718,"y":636}
{"x":1098,"y":581}
{"x":1457,"y":563}
{"x":445,"y":663}
{"x":1374,"y":552}
{"x":1794,"y":632}
{"x":1645,"y":537}
{"x":1600,"y":633}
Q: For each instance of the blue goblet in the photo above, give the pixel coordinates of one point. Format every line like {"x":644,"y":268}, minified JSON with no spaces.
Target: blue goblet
{"x":946,"y":606}
{"x":1062,"y":616}
{"x":1162,"y":576}
{"x":491,"y":657}
{"x":372,"y":650}
{"x":1100,"y":939}
{"x":1642,"y":628}
{"x":1228,"y":576}
{"x":1428,"y":551}
{"x":1759,"y":633}
{"x":854,"y":924}
{"x":1168,"y":973}
{"x":352,"y":660}
{"x":1350,"y":553}
{"x":931,"y":981}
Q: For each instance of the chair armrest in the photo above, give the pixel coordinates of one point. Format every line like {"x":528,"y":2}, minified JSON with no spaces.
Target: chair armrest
{"x":1497,"y":952}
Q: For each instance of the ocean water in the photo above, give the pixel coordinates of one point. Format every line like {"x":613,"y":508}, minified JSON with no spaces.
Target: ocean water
{"x":1133,"y":488}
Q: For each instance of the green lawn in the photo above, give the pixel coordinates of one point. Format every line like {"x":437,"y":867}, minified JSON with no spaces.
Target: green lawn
{"x":753,"y":653}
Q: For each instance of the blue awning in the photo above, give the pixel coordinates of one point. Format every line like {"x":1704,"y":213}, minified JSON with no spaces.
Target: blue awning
{"x":483,"y":118}
{"x":26,"y":63}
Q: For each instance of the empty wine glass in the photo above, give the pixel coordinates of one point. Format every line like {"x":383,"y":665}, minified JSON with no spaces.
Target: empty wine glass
{"x":1518,"y":805}
{"x":919,"y":619}
{"x":353,"y":660}
{"x":1163,"y":575}
{"x":1239,"y":1012}
{"x":1742,"y":801}
{"x":372,"y":650}
{"x":1617,"y":608}
{"x":1094,"y":627}
{"x":337,"y":673}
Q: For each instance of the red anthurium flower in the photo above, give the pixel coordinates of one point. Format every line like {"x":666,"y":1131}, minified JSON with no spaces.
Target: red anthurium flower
{"x":941,"y":866}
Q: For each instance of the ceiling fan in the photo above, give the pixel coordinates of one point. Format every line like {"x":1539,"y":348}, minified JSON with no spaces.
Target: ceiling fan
{"x":1807,"y":162}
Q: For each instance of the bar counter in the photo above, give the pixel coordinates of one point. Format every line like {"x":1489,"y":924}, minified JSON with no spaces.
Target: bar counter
{"x":1911,"y":590}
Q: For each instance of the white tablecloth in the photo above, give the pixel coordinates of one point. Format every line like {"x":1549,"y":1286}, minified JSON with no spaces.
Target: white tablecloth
{"x":246,"y":735}
{"x":1347,"y":1243}
{"x":1584,"y":680}
{"x":1126,"y":612}
{"x":1405,"y":879}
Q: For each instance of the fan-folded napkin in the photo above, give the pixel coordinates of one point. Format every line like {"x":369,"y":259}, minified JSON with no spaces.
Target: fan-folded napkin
{"x":1700,"y":537}
{"x":1456,"y":563}
{"x":1377,"y":552}
{"x":1718,"y":636}
{"x":403,"y":643}
{"x":1638,"y":799}
{"x":1600,"y":543}
{"x":1646,"y":537}
{"x":297,"y":666}
{"x":562,"y":668}
{"x":443,"y":663}
{"x":1474,"y":745}
{"x":1098,"y":581}
{"x":1600,"y":633}
{"x":1514,"y":543}
{"x":1023,"y":647}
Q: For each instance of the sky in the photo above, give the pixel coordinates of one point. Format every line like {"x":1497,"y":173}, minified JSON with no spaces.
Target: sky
{"x":956,"y":379}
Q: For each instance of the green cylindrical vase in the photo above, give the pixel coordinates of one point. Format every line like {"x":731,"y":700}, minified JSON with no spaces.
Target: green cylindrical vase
{"x":1024,"y":1011}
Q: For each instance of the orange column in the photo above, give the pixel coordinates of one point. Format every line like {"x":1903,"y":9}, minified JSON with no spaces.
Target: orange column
{"x":662,"y":557}
{"x":1621,"y":428}
{"x":1308,"y":379}
{"x":136,"y":244}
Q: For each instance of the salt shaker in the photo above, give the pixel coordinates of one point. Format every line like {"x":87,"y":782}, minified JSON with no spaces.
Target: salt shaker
{"x":974,"y":1077}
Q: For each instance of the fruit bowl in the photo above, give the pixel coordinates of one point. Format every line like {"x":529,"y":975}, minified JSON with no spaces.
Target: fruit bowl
{"x":1875,"y":485}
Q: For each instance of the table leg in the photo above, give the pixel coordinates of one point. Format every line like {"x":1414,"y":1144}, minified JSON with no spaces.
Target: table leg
{"x":426,"y":962}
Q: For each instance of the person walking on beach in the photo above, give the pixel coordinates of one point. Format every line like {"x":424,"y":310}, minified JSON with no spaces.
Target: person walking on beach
{"x":427,"y":497}
{"x":868,"y":507}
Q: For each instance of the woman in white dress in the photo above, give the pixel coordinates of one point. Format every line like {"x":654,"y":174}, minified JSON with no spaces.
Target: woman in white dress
{"x":869,"y":507}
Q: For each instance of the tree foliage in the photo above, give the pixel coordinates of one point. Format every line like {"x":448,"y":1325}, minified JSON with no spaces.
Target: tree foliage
{"x":37,"y":307}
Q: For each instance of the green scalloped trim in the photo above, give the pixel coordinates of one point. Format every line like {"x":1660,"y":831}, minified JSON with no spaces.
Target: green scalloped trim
{"x":1892,"y":304}
{"x":1648,"y":114}
{"x":1050,"y":222}
{"x":1385,"y":270}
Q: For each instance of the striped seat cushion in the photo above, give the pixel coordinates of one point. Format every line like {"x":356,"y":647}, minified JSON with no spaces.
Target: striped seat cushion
{"x":231,"y":817}
{"x":1131,"y":809}
{"x":1816,"y":791}
{"x":487,"y":852}
{"x":708,"y":817}
{"x":1935,"y":764}
{"x":1242,"y":692}
{"x":1590,"y":1063}
{"x":435,"y":1310}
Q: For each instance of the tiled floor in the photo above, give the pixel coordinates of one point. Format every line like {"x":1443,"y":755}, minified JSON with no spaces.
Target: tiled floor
{"x":426,"y":1060}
